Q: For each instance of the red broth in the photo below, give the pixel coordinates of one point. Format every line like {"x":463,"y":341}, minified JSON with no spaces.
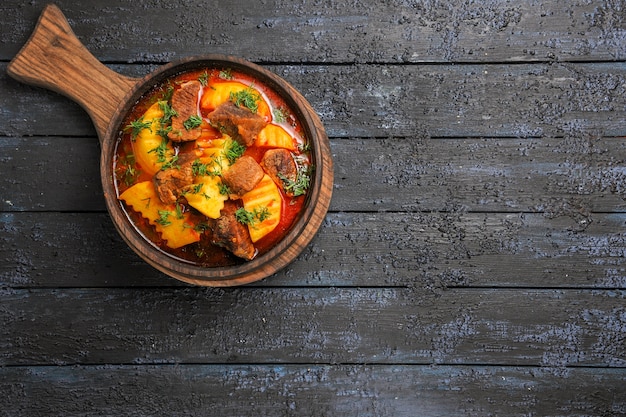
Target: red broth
{"x":129,"y":172}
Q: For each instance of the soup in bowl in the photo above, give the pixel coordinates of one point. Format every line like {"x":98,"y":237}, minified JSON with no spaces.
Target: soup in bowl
{"x":214,"y":170}
{"x":220,"y":172}
{"x":212,"y":167}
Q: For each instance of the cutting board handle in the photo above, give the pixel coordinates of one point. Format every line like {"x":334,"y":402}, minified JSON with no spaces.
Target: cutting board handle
{"x":54,"y":58}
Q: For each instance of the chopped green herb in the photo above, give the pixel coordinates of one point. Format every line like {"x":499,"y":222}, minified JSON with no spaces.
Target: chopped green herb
{"x":162,"y":155}
{"x":163,"y":219}
{"x":234,"y":150}
{"x":128,"y":171}
{"x":161,"y":151}
{"x":179,"y":211}
{"x":192,"y":122}
{"x":248,"y":98}
{"x":137,"y":126}
{"x":171,"y":163}
{"x":244,"y":216}
{"x":204,"y":78}
{"x":251,"y":218}
{"x":219,"y":162}
{"x":168,"y":112}
{"x":164,"y":131}
{"x":280,"y":115}
{"x":226,"y":74}
{"x":304,"y":147}
{"x":199,"y":169}
{"x":262,"y":214}
{"x":224,"y":190}
{"x":300,"y":185}
{"x":130,"y":175}
{"x":169,"y":91}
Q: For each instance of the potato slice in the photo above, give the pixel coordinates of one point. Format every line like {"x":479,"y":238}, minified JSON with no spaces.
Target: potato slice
{"x":214,"y":156}
{"x":174,"y":227}
{"x":275,"y":136}
{"x":265,"y":196}
{"x":220,"y":92}
{"x":205,"y":196}
{"x":151,"y":149}
{"x":216,"y":151}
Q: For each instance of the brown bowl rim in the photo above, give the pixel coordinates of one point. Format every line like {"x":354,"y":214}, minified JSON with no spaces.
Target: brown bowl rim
{"x":301,"y":233}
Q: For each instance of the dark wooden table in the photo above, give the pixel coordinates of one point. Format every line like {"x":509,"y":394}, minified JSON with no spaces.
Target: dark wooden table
{"x":472,"y":262}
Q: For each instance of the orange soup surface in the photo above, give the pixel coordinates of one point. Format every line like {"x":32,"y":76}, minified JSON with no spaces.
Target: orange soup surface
{"x":212,"y":167}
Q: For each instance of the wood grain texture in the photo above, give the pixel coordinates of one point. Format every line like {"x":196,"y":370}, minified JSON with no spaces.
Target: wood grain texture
{"x":580,"y":173}
{"x":400,"y":31}
{"x":287,"y":390}
{"x":471,"y":264}
{"x":550,"y":328}
{"x":576,"y":175}
{"x":497,"y":100}
{"x":54,"y":58}
{"x":430,"y":251}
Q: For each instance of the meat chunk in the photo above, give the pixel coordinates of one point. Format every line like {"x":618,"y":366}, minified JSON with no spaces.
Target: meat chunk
{"x":238,"y":122}
{"x":170,"y":182}
{"x":242,"y":176}
{"x":280,"y":166}
{"x":230,"y":234}
{"x":185,"y":104}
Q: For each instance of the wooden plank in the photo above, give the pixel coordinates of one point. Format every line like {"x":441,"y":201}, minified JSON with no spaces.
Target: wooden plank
{"x":493,"y":100}
{"x":549,"y":328}
{"x":404,"y":31}
{"x":429,"y":251}
{"x":50,"y":174}
{"x":32,"y":111}
{"x":581,"y":174}
{"x":311,"y":390}
{"x":496,"y":100}
{"x":51,"y":248}
{"x":472,"y":262}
